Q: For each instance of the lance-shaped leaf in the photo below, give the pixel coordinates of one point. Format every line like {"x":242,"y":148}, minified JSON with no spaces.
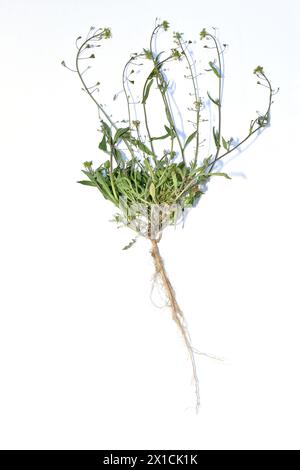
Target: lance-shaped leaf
{"x":161,"y":137}
{"x":216,"y":137}
{"x":103,"y":144}
{"x":214,"y":69}
{"x":169,"y":133}
{"x":105,"y":189}
{"x":225,"y":144}
{"x":147,"y":91}
{"x":142,"y":146}
{"x":215,"y":101}
{"x":152,"y":190}
{"x":174,"y":178}
{"x":130,"y":244}
{"x":189,"y":139}
{"x":87,"y":183}
{"x":106,"y":129}
{"x":121,"y":133}
{"x":220,"y":174}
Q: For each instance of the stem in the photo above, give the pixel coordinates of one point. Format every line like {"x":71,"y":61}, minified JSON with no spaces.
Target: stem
{"x":252,"y":132}
{"x":176,"y":312}
{"x":84,"y":84}
{"x":111,"y":176}
{"x":219,"y":101}
{"x":195,"y":86}
{"x":161,"y":82}
{"x":90,"y":94}
{"x":147,"y":125}
{"x":124,"y":88}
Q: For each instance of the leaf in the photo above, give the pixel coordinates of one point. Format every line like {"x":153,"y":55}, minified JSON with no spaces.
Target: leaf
{"x":161,"y":137}
{"x":214,"y":69}
{"x":120,"y":132}
{"x":103,"y":144}
{"x":106,"y":129}
{"x":152,"y":190}
{"x":89,"y":175}
{"x":133,"y":241}
{"x":189,"y":139}
{"x":216,"y":137}
{"x":225,"y":144}
{"x":174,"y":178}
{"x":87,"y":183}
{"x":104,"y":187}
{"x":147,"y":91}
{"x":215,"y":101}
{"x":118,"y":156}
{"x":170,"y":132}
{"x":220,"y":174}
{"x":148,"y":167}
{"x":142,"y":146}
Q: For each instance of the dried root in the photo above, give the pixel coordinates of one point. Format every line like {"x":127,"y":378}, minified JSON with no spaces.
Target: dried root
{"x":177,"y":314}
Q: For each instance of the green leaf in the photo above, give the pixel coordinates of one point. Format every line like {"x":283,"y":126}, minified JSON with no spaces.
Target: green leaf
{"x":104,"y":187}
{"x":215,"y":101}
{"x":87,"y":183}
{"x":174,"y":178}
{"x":120,"y":133}
{"x":170,"y":132}
{"x":147,"y":91}
{"x":189,"y":139}
{"x":89,"y":175}
{"x":106,"y":129}
{"x":161,"y":137}
{"x":225,"y":144}
{"x":130,"y":244}
{"x":118,"y":156}
{"x":103,"y":144}
{"x":142,"y":146}
{"x":149,"y":167}
{"x":216,"y":137}
{"x":152,"y":190}
{"x":220,"y":174}
{"x":214,"y":69}
{"x":148,"y":54}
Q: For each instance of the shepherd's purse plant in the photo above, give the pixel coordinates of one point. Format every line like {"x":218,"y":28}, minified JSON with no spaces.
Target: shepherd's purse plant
{"x":153,"y":179}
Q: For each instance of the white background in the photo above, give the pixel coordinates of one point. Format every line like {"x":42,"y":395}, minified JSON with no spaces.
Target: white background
{"x":86,"y":360}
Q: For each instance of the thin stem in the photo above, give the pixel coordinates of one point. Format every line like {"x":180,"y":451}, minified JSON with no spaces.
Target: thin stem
{"x":86,"y":88}
{"x":163,"y":86}
{"x":195,"y":86}
{"x":146,"y":119}
{"x":219,"y":101}
{"x":111,"y":176}
{"x":124,"y":88}
{"x":261,"y":121}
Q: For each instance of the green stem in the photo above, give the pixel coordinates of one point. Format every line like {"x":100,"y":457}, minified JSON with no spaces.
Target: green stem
{"x":219,"y":101}
{"x":252,"y":132}
{"x":124,"y":88}
{"x":99,"y":106}
{"x":161,"y":83}
{"x":196,"y":98}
